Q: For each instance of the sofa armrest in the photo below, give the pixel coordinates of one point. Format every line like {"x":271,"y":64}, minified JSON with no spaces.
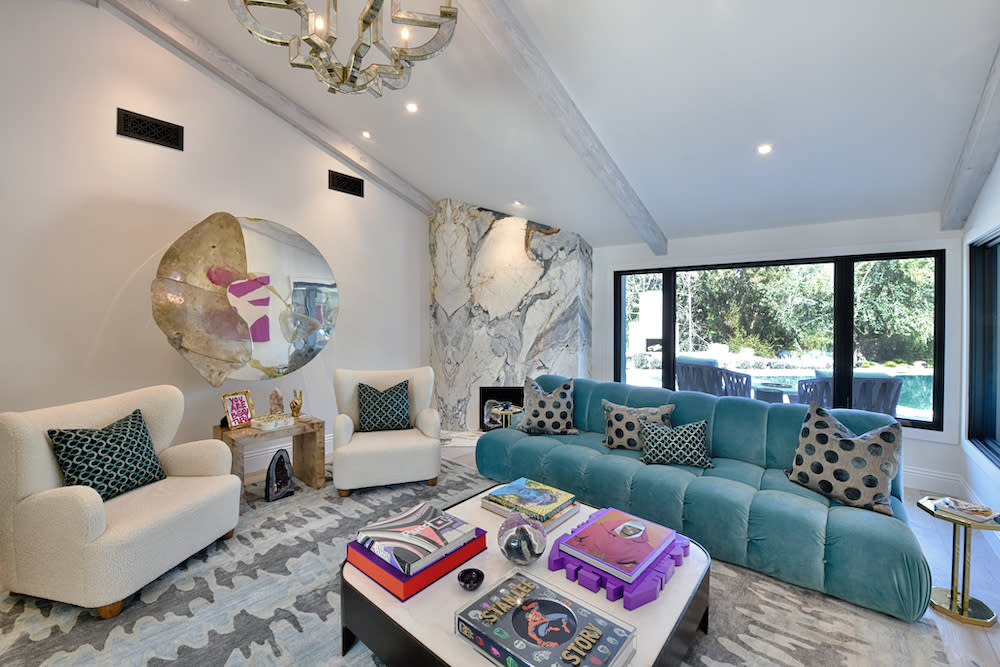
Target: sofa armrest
{"x":429,"y":422}
{"x":68,"y":515}
{"x":343,"y":430}
{"x":197,"y":459}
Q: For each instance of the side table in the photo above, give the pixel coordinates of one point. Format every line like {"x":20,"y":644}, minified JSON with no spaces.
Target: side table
{"x":505,"y":415}
{"x":308,"y":450}
{"x":960,"y":606}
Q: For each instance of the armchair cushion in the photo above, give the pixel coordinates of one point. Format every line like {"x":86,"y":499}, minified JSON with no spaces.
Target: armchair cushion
{"x":112,"y":460}
{"x":200,"y":458}
{"x":387,"y":410}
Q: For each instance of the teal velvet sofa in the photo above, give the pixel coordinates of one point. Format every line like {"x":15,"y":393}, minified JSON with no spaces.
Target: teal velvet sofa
{"x":744,"y":510}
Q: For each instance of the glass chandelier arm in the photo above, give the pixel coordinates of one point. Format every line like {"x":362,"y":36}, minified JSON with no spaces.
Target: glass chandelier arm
{"x":444,"y":22}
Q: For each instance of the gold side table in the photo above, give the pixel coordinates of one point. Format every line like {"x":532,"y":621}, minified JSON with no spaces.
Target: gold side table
{"x":960,"y":606}
{"x":505,"y":415}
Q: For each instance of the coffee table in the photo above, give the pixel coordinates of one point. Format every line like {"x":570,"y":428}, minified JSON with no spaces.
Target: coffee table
{"x":421,"y":631}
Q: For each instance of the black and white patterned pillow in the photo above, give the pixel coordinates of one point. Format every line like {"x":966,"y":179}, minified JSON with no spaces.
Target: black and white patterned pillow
{"x":387,"y":410}
{"x":856,"y":470}
{"x":548,"y":412}
{"x":112,"y":460}
{"x":621,"y":423}
{"x":684,"y":445}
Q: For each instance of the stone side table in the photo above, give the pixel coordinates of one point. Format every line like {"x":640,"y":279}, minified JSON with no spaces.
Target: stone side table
{"x":308,"y":450}
{"x":960,"y":606}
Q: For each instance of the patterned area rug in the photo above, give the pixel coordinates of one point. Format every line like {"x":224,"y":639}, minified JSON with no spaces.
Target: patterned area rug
{"x":270,"y":596}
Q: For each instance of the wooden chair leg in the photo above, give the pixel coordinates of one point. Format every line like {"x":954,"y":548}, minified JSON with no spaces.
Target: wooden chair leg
{"x":344,"y":492}
{"x":229,"y":534}
{"x":432,"y":482}
{"x":111,"y":610}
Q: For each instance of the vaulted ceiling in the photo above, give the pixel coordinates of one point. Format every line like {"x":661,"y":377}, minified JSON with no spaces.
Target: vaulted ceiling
{"x":639,"y":122}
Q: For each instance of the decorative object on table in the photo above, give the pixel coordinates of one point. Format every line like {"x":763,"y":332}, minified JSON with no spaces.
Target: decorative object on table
{"x":312,"y":45}
{"x":548,"y":412}
{"x":856,"y":470}
{"x":244,"y":299}
{"x":277,"y":401}
{"x":295,"y":405}
{"x":403,"y":586}
{"x":619,"y":543}
{"x":532,"y":499}
{"x":470,"y":578}
{"x":960,"y":606}
{"x":506,"y":411}
{"x":415,"y":538}
{"x":964,"y":510}
{"x":272,"y":422}
{"x":280,"y":481}
{"x":521,"y":539}
{"x":524,"y":622}
{"x":239,"y":408}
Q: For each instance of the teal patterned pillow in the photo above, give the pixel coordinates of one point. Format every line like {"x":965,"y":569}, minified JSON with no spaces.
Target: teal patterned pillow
{"x":111,"y":460}
{"x":684,"y":445}
{"x":387,"y":410}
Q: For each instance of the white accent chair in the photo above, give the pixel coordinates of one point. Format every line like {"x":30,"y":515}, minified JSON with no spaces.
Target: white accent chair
{"x":376,"y":458}
{"x":64,"y":543}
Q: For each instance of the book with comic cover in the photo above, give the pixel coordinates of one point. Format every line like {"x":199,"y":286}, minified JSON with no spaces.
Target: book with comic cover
{"x":415,"y":538}
{"x":619,"y":543}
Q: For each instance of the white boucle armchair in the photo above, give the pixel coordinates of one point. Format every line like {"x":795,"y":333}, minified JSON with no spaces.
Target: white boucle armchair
{"x":64,"y":543}
{"x":376,"y":458}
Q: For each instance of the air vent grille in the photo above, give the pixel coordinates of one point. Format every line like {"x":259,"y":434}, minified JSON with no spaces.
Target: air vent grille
{"x":349,"y":184}
{"x":153,"y":130}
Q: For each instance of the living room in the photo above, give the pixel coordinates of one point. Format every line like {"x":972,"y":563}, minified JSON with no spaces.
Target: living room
{"x":92,"y":213}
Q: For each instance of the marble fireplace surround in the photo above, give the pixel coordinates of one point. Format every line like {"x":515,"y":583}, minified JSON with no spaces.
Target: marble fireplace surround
{"x":510,"y":299}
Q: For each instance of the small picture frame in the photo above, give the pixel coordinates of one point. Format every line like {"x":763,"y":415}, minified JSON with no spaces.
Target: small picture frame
{"x":239,"y":408}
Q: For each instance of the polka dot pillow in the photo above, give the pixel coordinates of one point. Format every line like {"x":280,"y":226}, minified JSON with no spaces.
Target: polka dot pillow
{"x":548,"y":412}
{"x":621,"y":423}
{"x":856,"y":470}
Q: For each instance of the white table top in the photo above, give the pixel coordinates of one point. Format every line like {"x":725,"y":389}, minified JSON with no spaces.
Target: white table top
{"x":429,"y":616}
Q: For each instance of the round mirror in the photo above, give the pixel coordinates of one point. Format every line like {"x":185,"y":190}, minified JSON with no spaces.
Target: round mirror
{"x":244,"y":299}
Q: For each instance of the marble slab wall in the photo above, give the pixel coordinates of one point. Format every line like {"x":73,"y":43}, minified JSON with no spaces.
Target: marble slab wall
{"x":510,"y":299}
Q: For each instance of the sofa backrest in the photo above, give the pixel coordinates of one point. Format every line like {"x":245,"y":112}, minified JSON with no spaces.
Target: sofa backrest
{"x":765,"y":434}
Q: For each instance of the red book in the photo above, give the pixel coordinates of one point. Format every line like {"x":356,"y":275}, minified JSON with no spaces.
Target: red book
{"x":402,"y":586}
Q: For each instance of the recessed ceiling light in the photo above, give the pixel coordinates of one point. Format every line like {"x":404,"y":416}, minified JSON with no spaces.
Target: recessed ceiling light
{"x":412,"y":107}
{"x":366,"y":134}
{"x":765,"y":149}
{"x":517,"y":203}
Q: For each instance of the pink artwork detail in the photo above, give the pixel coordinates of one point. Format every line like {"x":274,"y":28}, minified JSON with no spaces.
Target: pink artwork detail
{"x":260,"y":331}
{"x":221,"y":275}
{"x":260,"y":302}
{"x":250,"y":300}
{"x":243,"y":287}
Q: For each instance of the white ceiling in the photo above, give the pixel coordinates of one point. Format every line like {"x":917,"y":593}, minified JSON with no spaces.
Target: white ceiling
{"x":868,"y":106}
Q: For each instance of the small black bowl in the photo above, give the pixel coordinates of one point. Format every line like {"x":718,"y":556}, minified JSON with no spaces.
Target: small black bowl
{"x":470,"y":578}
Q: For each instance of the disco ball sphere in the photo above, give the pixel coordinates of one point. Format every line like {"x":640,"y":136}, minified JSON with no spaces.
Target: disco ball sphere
{"x":521,"y":540}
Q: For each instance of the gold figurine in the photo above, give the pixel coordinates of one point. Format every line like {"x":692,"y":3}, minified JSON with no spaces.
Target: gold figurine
{"x":295,"y":405}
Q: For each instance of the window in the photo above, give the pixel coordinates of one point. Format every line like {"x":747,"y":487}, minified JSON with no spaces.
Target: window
{"x":984,"y":361}
{"x":859,"y":332}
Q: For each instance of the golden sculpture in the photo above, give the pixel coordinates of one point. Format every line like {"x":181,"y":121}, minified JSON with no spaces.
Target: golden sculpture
{"x":295,"y":405}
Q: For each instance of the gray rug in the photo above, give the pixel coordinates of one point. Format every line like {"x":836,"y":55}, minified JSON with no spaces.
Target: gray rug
{"x":270,"y":596}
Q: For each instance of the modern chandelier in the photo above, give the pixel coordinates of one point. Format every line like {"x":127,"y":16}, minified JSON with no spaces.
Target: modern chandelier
{"x":313,"y":46}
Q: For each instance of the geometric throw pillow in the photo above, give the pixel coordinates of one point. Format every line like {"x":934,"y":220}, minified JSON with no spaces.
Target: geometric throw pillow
{"x":387,"y":410}
{"x":856,"y":470}
{"x":621,"y":423}
{"x":548,"y":412}
{"x":683,"y":445}
{"x":112,"y":460}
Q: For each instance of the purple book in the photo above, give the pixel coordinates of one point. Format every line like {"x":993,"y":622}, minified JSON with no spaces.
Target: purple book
{"x":618,"y":543}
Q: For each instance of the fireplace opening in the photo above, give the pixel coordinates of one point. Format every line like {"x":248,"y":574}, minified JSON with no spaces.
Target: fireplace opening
{"x":491,"y":397}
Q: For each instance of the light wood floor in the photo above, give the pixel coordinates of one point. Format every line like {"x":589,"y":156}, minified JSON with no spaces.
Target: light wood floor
{"x":965,"y":645}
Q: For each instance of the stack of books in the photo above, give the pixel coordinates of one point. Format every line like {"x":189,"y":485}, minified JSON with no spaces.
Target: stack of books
{"x":618,"y":543}
{"x":410,"y":550}
{"x":535,"y":500}
{"x":524,"y":622}
{"x":964,"y":510}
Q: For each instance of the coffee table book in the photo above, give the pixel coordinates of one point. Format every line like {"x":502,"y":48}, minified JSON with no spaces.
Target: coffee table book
{"x":618,"y":543}
{"x":402,"y":586}
{"x":549,"y":524}
{"x":532,"y":499}
{"x":412,"y":539}
{"x":525,"y":622}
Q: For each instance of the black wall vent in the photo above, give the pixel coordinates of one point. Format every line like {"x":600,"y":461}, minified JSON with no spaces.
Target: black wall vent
{"x":349,"y":184}
{"x":153,"y":130}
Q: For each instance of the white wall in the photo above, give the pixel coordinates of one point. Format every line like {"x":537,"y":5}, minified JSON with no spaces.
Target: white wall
{"x":931,"y":459}
{"x":88,"y":214}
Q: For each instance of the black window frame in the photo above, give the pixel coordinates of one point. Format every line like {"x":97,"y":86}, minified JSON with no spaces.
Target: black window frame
{"x":843,"y":322}
{"x":984,"y":348}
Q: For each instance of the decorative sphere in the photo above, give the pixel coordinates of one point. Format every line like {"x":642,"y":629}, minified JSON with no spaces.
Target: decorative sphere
{"x":521,"y":540}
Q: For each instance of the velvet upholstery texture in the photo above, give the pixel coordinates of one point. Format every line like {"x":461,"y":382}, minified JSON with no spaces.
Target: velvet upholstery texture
{"x":744,"y":510}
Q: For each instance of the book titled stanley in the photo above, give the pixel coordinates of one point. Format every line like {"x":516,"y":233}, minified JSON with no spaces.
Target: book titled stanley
{"x":413,"y":539}
{"x":619,"y":543}
{"x":532,"y":499}
{"x":523,"y":622}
